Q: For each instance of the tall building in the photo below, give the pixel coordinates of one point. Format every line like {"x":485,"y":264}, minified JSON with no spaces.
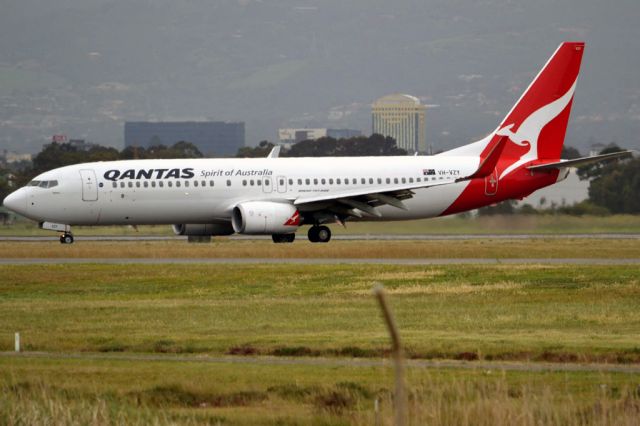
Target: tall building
{"x":213,"y":138}
{"x":289,"y":136}
{"x":401,"y":117}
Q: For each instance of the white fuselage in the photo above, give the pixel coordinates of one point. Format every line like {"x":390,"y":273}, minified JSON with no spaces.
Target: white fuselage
{"x":206,"y":190}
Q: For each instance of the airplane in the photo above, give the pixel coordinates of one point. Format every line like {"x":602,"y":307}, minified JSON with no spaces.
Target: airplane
{"x":276,"y":196}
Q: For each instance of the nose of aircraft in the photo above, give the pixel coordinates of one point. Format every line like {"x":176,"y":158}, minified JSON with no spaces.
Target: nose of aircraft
{"x":16,"y":201}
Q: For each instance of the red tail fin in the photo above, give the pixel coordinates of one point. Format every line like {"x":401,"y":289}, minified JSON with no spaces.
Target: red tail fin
{"x":537,"y":124}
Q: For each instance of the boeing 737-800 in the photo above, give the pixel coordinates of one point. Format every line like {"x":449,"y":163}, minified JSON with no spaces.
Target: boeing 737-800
{"x":275,"y":196}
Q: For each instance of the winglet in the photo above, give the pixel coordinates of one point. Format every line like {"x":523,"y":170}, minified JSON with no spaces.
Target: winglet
{"x":275,"y":152}
{"x":490,"y":161}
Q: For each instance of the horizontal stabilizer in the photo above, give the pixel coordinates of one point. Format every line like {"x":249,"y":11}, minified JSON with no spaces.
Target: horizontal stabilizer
{"x":580,"y":161}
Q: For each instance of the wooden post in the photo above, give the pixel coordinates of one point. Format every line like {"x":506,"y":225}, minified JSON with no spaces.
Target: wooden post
{"x":17,"y":343}
{"x":400,"y":402}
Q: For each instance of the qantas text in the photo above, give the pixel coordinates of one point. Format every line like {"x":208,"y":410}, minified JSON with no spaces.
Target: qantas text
{"x":149,"y":174}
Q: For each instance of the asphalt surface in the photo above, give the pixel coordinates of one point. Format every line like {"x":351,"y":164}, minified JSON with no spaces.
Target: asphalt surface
{"x":316,"y":261}
{"x":336,"y":362}
{"x":345,"y":237}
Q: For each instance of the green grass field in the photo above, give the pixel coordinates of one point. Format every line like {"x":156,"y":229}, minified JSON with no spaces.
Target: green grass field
{"x":514,"y":224}
{"x":524,"y":314}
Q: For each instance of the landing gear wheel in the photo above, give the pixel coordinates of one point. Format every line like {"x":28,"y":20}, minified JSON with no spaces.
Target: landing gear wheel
{"x":283,"y":238}
{"x":319,"y":234}
{"x":66,"y":238}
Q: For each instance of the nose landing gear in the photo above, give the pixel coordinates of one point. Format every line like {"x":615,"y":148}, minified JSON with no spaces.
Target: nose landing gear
{"x":319,"y":234}
{"x":66,"y":238}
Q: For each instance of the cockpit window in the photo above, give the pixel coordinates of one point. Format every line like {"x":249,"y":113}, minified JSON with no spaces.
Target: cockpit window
{"x":44,"y":183}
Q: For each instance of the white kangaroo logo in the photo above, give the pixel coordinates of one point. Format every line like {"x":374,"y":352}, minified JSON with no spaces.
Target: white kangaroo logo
{"x":529,"y":130}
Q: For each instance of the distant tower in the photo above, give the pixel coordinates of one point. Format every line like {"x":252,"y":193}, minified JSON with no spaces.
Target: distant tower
{"x":401,"y":117}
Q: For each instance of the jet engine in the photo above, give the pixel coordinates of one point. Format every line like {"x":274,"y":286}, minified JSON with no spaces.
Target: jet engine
{"x":202,"y":229}
{"x":265,"y":217}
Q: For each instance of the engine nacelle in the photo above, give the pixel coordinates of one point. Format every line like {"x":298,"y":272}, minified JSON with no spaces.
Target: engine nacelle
{"x":202,"y":229}
{"x":265,"y":217}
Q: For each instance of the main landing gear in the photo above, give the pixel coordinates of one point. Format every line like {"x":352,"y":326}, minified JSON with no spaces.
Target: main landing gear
{"x":319,"y":234}
{"x":66,"y":238}
{"x":283,"y":238}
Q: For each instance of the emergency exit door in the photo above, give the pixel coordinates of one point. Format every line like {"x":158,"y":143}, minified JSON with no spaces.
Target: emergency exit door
{"x":89,"y":185}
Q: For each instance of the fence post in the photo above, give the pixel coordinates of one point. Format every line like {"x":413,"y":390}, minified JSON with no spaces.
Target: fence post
{"x":17,"y":343}
{"x":400,"y":402}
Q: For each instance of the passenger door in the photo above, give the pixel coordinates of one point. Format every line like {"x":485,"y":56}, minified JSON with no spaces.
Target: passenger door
{"x":89,"y":185}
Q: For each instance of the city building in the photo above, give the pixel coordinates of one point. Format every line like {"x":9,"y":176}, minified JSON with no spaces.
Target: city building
{"x":212,"y":138}
{"x":401,"y":117}
{"x":290,"y":136}
{"x":9,"y":157}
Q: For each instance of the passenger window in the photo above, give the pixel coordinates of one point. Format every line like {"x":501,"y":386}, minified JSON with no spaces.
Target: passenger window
{"x":161,"y":184}
{"x":315,"y":181}
{"x":307,"y":181}
{"x":281,"y":182}
{"x":330,"y":181}
{"x":138,"y":184}
{"x":169,"y":184}
{"x":177,"y":184}
{"x":252,"y":182}
{"x":267,"y":182}
{"x":404,"y":180}
{"x":338,"y":181}
{"x":346,"y":181}
{"x":114,"y":184}
{"x":418,"y":179}
{"x":299,"y":181}
{"x":195,"y":183}
{"x":204,"y":183}
{"x":210,"y":183}
{"x":363,"y":181}
{"x":290,"y":181}
{"x":153,"y":183}
{"x":395,"y":180}
{"x":146,"y":184}
{"x":410,"y":180}
{"x":186,"y":183}
{"x":121,"y":184}
{"x":354,"y":181}
{"x":130,"y":184}
{"x":228,"y":182}
{"x":379,"y":180}
{"x":323,"y":181}
{"x":244,"y":183}
{"x":388,"y":180}
{"x":370,"y":180}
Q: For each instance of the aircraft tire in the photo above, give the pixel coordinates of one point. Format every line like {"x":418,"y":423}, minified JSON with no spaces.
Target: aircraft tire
{"x":66,"y":239}
{"x":324,"y":234}
{"x":313,"y":234}
{"x":283,"y":238}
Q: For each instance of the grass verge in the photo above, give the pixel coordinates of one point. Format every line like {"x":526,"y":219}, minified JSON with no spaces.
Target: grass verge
{"x":102,"y":392}
{"x":506,"y":312}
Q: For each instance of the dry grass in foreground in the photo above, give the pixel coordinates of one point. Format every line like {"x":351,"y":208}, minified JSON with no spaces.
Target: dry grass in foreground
{"x":223,"y":248}
{"x":310,"y":395}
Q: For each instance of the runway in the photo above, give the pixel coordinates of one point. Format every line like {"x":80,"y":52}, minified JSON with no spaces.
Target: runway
{"x":320,"y":261}
{"x":339,"y":237}
{"x":335,"y":362}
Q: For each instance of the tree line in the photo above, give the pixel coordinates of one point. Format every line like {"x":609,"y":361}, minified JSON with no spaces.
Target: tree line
{"x":614,"y":186}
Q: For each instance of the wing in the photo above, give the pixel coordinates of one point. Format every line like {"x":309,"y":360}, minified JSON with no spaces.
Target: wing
{"x":355,"y":203}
